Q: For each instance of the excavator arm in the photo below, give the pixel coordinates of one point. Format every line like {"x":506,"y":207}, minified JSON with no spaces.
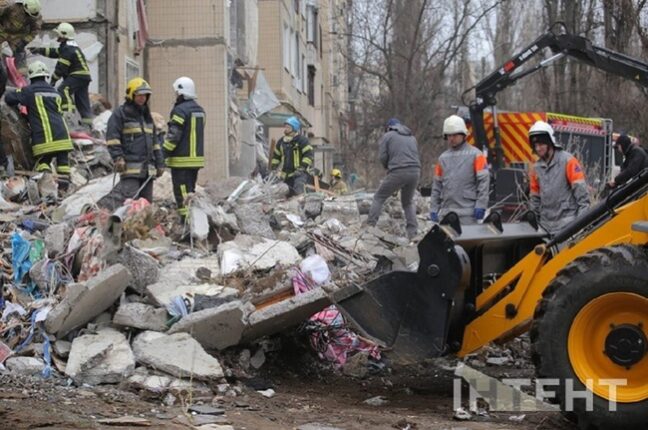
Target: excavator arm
{"x":561,"y":43}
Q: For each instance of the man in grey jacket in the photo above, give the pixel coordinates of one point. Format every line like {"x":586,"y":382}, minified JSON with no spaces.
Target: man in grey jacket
{"x":461,"y":178}
{"x":398,"y":154}
{"x":558,"y":192}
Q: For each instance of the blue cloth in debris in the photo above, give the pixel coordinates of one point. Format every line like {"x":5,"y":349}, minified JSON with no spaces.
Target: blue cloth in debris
{"x":20,"y":256}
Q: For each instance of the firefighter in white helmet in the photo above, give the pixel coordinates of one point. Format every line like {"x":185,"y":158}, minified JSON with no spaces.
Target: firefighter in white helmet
{"x":461,"y":178}
{"x":184,"y":146}
{"x":558,"y":192}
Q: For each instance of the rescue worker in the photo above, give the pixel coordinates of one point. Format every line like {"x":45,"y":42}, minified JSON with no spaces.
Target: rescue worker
{"x":20,"y":21}
{"x":184,"y":146}
{"x":461,"y":179}
{"x":49,"y":134}
{"x":132,"y":140}
{"x":558,"y":192}
{"x":293,"y":156}
{"x":398,"y":153}
{"x":338,"y":186}
{"x":73,"y":68}
{"x":635,"y":160}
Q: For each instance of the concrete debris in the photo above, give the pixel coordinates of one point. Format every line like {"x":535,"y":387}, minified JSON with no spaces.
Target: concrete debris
{"x":357,"y":366}
{"x":462,"y":414}
{"x":254,"y":253}
{"x":317,"y":426}
{"x":29,"y":366}
{"x":254,"y":221}
{"x":177,"y":354}
{"x":258,"y":359}
{"x":144,"y":268}
{"x":125,"y":421}
{"x":150,"y":386}
{"x":206,"y":410}
{"x":177,"y":278}
{"x":285,"y":314}
{"x":216,"y":328}
{"x":83,"y":302}
{"x":88,"y":196}
{"x":269,"y":393}
{"x":62,"y":348}
{"x":101,"y":358}
{"x":141,"y":316}
{"x":56,"y":238}
{"x":313,"y":204}
{"x":376,"y":401}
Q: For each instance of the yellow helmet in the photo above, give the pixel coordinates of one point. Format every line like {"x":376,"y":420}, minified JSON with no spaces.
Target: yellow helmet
{"x":65,"y":30}
{"x":335,"y":173}
{"x":36,"y":69}
{"x":137,"y":86}
{"x":32,"y":7}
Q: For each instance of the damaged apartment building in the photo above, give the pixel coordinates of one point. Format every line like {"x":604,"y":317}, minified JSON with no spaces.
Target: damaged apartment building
{"x":255,"y":62}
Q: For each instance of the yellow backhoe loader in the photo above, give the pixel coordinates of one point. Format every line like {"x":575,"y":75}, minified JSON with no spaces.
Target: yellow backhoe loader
{"x":582,"y":294}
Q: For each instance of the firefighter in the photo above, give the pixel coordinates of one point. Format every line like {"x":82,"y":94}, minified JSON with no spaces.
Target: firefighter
{"x":293,"y":156}
{"x":461,"y":179}
{"x":49,"y":134}
{"x":338,"y":186}
{"x":20,"y":21}
{"x":73,"y":68}
{"x":184,"y":147}
{"x":132,"y":140}
{"x":635,"y":160}
{"x":558,"y":192}
{"x":398,"y":153}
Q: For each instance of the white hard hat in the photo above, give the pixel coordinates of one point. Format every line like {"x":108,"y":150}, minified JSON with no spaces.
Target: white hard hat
{"x":65,"y":30}
{"x":454,"y":124}
{"x":36,"y":69}
{"x":185,"y":86}
{"x":543,"y":128}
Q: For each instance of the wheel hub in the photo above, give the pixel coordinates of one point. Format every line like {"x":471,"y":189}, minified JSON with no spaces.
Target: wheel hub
{"x":626,"y":345}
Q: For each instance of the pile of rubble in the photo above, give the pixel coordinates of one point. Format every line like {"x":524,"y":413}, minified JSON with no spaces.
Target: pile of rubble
{"x":124,"y":297}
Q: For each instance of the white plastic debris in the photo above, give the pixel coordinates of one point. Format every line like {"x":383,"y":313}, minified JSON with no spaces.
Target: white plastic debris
{"x":315,"y":266}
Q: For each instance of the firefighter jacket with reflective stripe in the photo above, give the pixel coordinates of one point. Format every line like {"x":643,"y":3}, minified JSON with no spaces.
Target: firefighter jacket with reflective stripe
{"x":71,"y":61}
{"x":17,"y":28}
{"x":184,"y":146}
{"x":131,"y":135}
{"x":558,"y":192}
{"x":461,"y":181}
{"x":49,"y":133}
{"x":293,"y":153}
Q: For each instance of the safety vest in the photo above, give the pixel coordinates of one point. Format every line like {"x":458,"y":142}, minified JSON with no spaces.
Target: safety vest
{"x":71,"y":61}
{"x":185,"y":142}
{"x":293,"y":154}
{"x":49,"y":132}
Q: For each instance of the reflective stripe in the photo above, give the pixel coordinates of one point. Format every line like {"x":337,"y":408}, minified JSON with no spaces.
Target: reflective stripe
{"x":177,"y":118}
{"x":183,"y":211}
{"x":183,"y":191}
{"x":438,"y":170}
{"x":296,"y":161}
{"x":192,"y":138}
{"x":63,"y":169}
{"x":307,"y":160}
{"x":307,"y":148}
{"x":69,"y":103}
{"x":56,"y":146}
{"x":64,"y":62}
{"x":156,"y":147}
{"x":137,"y":130}
{"x":81,"y":72}
{"x":185,"y":162}
{"x":43,"y":167}
{"x":111,"y":142}
{"x":42,"y":113}
{"x":169,"y":146}
{"x":81,"y":58}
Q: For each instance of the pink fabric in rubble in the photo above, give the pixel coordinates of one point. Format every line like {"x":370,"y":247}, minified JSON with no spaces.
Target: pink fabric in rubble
{"x":337,"y":343}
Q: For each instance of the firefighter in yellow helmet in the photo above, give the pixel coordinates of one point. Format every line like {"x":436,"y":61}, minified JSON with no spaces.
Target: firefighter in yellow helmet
{"x":134,"y":146}
{"x":49,"y":134}
{"x":338,"y":186}
{"x":20,"y":22}
{"x":73,"y":68}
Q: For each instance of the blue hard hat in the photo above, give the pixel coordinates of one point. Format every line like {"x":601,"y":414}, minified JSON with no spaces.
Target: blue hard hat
{"x":293,"y":122}
{"x":393,"y":122}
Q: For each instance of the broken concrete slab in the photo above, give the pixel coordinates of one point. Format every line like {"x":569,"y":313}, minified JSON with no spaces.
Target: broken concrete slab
{"x":285,"y":314}
{"x":56,"y":238}
{"x":144,"y":268}
{"x":221,"y":189}
{"x":343,"y":208}
{"x":83,"y":197}
{"x":150,"y":385}
{"x":176,"y":279}
{"x":216,"y":328}
{"x":83,"y":302}
{"x":141,"y":316}
{"x":313,"y":205}
{"x":253,"y":220}
{"x":29,"y":366}
{"x":255,"y":253}
{"x":101,"y":358}
{"x":62,"y":348}
{"x":177,"y":354}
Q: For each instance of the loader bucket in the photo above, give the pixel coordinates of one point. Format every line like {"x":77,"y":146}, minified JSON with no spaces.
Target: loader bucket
{"x":409,"y":312}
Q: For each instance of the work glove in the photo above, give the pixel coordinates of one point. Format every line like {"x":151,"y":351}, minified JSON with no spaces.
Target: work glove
{"x":159,"y":172}
{"x":479,"y":213}
{"x":120,"y":165}
{"x":434,"y":216}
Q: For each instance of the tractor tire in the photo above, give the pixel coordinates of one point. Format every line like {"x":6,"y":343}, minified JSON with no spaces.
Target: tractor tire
{"x":592,"y":324}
